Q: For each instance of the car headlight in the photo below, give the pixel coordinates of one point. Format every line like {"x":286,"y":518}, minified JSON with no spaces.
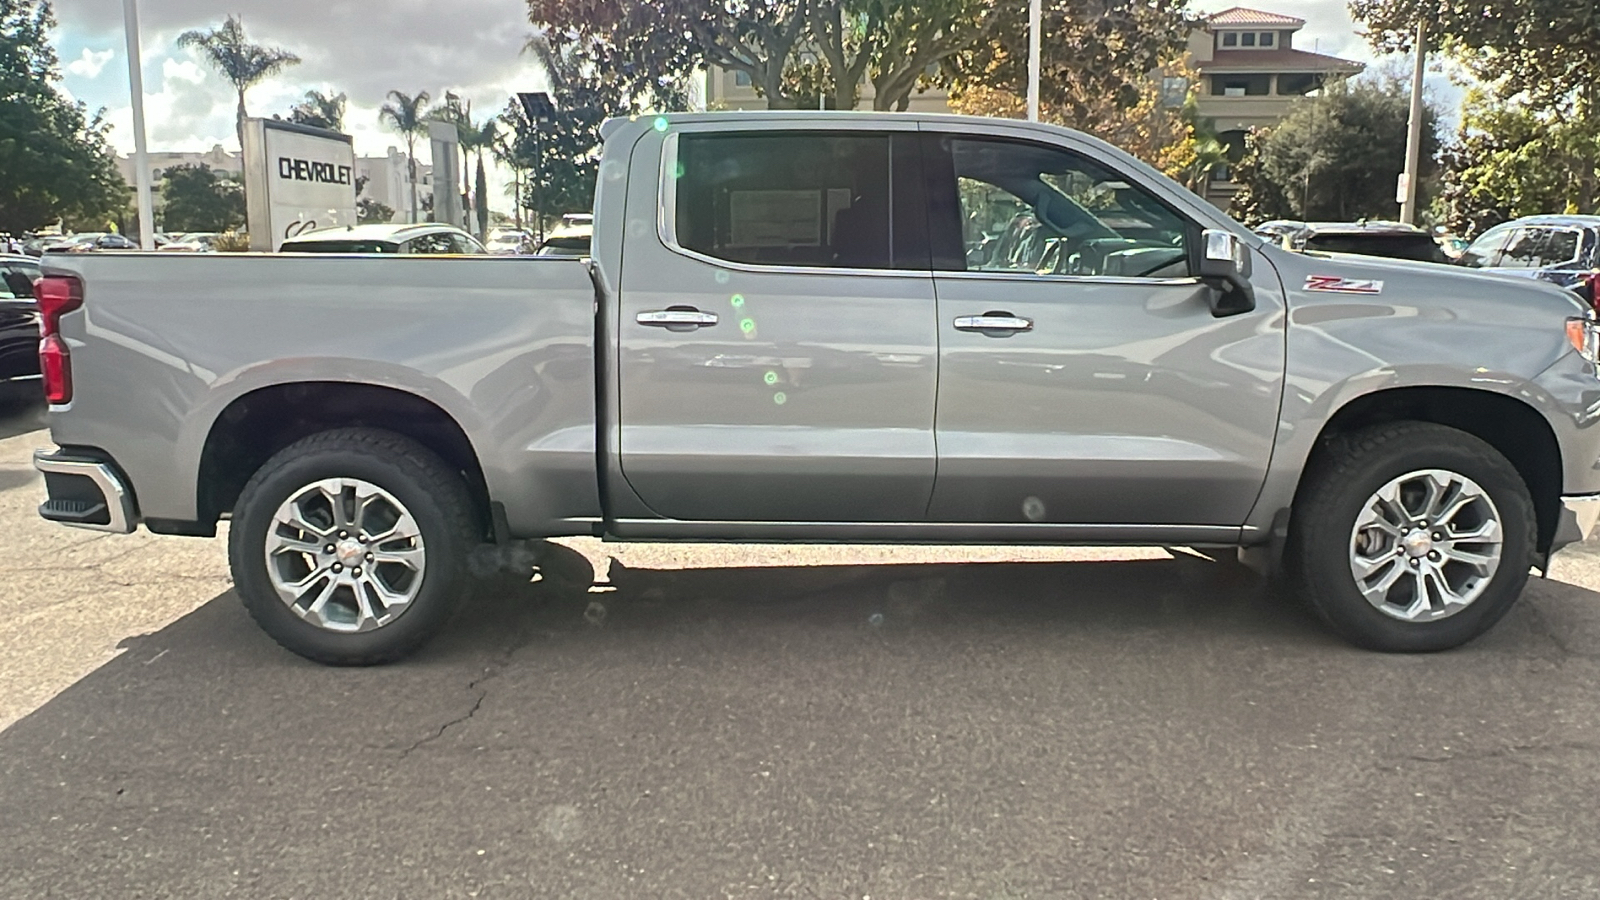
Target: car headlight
{"x":1584,"y":336}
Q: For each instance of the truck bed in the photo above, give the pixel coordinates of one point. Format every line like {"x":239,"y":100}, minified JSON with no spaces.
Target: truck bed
{"x":503,"y":346}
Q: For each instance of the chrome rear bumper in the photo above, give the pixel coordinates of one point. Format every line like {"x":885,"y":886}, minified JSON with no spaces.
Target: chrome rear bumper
{"x":85,"y":493}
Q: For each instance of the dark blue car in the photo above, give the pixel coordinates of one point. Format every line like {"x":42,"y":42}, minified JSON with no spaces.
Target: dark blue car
{"x":1563,"y":250}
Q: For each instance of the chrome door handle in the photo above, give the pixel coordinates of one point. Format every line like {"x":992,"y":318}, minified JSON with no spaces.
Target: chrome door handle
{"x":993,"y":322}
{"x":677,"y":318}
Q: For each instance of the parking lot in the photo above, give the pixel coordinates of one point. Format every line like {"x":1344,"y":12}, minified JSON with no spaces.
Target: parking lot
{"x":822,"y":722}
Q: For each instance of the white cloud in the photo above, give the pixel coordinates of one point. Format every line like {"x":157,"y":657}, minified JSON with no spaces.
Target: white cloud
{"x":90,"y":63}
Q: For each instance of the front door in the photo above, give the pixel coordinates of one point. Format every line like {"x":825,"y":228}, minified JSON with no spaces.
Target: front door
{"x":1083,"y":378}
{"x":778,"y":354}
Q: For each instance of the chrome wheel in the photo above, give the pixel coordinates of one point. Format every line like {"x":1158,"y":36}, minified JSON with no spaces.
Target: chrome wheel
{"x":1426,"y":545}
{"x":345,"y":555}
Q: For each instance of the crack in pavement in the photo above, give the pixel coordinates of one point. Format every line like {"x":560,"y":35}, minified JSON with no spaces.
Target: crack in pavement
{"x":491,"y":672}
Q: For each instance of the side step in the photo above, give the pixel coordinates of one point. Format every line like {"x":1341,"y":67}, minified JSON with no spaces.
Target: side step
{"x":85,"y":493}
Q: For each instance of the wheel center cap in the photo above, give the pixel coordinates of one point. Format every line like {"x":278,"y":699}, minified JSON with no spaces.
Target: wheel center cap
{"x":1417,"y":543}
{"x":349,"y":551}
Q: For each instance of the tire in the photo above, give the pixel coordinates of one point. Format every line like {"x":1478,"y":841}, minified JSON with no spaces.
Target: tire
{"x":420,"y":574}
{"x":1326,"y":551}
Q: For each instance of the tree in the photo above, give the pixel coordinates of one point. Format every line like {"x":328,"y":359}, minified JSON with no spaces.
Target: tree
{"x":1155,"y":129}
{"x":244,"y":64}
{"x":653,"y":45}
{"x":56,"y":160}
{"x":196,"y":199}
{"x":1510,"y":160}
{"x":1096,"y":60}
{"x":404,"y":114}
{"x":893,"y":43}
{"x":1335,"y":156}
{"x":561,"y":158}
{"x":320,"y":110}
{"x":1537,"y":53}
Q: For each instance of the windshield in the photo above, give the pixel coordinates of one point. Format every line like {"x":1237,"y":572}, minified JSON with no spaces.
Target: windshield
{"x":1418,"y":247}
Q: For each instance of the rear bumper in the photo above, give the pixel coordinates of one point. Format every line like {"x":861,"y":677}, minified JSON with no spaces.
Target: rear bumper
{"x":86,"y":493}
{"x":1579,"y":516}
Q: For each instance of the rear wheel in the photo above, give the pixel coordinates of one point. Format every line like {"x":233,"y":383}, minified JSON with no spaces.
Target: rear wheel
{"x":349,"y":547}
{"x":1412,"y":537}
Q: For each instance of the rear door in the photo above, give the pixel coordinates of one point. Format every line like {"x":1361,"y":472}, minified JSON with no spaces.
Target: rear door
{"x":777,"y":344}
{"x":1083,"y":378}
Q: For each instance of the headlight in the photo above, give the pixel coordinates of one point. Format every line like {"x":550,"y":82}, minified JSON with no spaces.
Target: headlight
{"x":1584,"y":336}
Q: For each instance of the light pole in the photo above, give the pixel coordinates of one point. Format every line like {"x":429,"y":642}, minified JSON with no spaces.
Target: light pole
{"x":1408,"y":179}
{"x":1035,"y":13}
{"x":141,"y":166}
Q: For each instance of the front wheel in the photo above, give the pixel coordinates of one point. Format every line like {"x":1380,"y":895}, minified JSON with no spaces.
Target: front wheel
{"x":349,"y":547}
{"x":1412,"y":537}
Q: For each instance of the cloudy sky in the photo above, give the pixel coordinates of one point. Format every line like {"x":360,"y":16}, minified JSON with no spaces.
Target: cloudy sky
{"x":366,"y":49}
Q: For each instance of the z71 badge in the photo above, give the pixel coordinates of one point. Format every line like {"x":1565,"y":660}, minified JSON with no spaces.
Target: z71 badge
{"x":1333,"y":284}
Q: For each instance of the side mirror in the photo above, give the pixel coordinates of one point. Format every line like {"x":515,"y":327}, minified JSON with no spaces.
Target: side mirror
{"x":1225,"y":267}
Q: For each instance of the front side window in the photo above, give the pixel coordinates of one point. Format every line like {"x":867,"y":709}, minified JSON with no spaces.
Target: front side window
{"x":435,"y":244}
{"x":814,"y":199}
{"x":1042,"y":210}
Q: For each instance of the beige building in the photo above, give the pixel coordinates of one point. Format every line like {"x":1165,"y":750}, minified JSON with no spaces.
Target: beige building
{"x":1250,"y":74}
{"x":732,"y":90}
{"x":159,"y":161}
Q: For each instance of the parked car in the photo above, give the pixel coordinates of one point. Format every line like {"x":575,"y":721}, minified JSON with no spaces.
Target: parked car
{"x":427,"y":239}
{"x":780,"y":336}
{"x":90,"y":242}
{"x":1563,"y":250}
{"x":19,"y":319}
{"x":509,"y":243}
{"x":1391,"y":240}
{"x":574,"y":244}
{"x":192,"y":242}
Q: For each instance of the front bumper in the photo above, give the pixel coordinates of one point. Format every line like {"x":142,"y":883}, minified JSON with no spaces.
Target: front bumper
{"x":86,"y":493}
{"x":1579,"y":516}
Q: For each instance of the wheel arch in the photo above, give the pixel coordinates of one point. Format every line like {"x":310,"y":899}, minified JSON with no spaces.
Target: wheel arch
{"x":257,"y":424}
{"x":1514,"y":428}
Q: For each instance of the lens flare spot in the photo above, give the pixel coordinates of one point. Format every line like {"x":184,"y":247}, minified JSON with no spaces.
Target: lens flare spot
{"x":747,"y":325}
{"x":771,"y":378}
{"x":1033,"y":509}
{"x":780,"y":398}
{"x":723,"y":276}
{"x":737,"y":300}
{"x":661,"y":123}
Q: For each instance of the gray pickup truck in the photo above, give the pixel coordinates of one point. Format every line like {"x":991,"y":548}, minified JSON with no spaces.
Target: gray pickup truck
{"x":830,"y":328}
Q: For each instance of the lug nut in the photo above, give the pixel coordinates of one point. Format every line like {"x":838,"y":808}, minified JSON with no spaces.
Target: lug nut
{"x":356,"y":572}
{"x":338,"y":568}
{"x":1413,"y":561}
{"x":330,"y":549}
{"x":1434,"y":556}
{"x":344,"y":534}
{"x":369,"y":557}
{"x":1438,"y":535}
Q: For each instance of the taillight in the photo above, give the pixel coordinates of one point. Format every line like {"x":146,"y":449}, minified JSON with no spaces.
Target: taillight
{"x":56,"y":295}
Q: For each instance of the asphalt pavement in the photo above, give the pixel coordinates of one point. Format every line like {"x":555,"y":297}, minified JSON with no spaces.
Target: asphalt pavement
{"x":750,"y":722}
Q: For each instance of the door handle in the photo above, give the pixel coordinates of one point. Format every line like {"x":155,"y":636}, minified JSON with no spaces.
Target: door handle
{"x":994,"y":323}
{"x":677,"y":318}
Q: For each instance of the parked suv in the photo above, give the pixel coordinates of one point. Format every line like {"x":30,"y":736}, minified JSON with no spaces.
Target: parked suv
{"x":1391,"y":240}
{"x":1563,"y":250}
{"x":425,"y":239}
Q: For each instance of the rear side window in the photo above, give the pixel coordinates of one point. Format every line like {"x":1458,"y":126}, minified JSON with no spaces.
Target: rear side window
{"x":814,"y":199}
{"x":1419,"y":247}
{"x":16,"y":282}
{"x":1535,"y":248}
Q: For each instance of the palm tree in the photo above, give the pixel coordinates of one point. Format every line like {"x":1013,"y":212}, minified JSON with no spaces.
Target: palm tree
{"x":1208,"y":154}
{"x":404,"y":114}
{"x":321,"y":110}
{"x":244,"y":64}
{"x":483,"y":137}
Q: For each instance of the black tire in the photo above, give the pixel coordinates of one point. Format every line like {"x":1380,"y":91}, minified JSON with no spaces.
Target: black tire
{"x":434,"y":495}
{"x":1337,"y":487}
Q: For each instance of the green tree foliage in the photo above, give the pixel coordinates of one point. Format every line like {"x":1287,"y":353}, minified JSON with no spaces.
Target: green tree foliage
{"x":1336,"y":156}
{"x":557,"y":161}
{"x":54,"y":155}
{"x":1510,"y":160}
{"x":1540,"y":55}
{"x":320,"y":110}
{"x":404,"y":113}
{"x":244,"y":64}
{"x":1096,"y":55}
{"x":794,"y":51}
{"x":196,"y":198}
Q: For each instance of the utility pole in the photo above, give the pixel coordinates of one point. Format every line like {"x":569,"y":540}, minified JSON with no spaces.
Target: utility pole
{"x":1407,"y":189}
{"x":141,"y":164}
{"x":1035,"y":13}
